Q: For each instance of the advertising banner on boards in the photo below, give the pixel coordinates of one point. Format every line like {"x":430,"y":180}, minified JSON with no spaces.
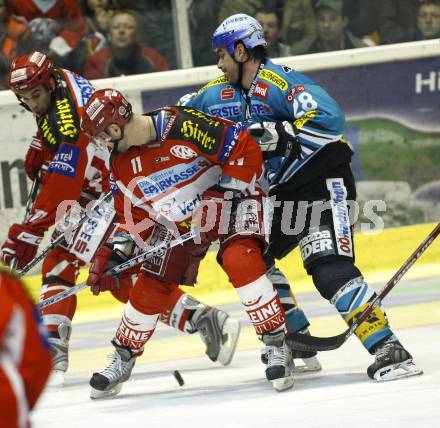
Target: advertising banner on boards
{"x":392,"y":123}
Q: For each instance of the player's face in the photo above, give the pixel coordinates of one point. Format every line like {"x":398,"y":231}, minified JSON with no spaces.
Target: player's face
{"x":428,"y":20}
{"x":37,"y":99}
{"x":330,"y":25}
{"x":227,"y":65}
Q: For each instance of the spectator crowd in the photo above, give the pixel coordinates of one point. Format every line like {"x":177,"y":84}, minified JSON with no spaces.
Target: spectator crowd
{"x":108,"y":38}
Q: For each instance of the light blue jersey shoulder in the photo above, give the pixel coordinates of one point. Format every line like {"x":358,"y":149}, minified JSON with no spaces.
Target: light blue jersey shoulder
{"x":280,"y":93}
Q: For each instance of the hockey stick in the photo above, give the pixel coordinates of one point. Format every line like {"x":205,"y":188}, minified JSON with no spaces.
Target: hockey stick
{"x":29,"y":204}
{"x":302,"y":342}
{"x":122,"y":267}
{"x":71,"y":229}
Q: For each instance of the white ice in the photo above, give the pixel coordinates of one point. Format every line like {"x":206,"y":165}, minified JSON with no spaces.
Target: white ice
{"x":341,"y":395}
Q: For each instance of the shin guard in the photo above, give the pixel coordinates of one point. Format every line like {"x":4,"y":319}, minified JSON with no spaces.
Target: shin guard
{"x":350,"y":300}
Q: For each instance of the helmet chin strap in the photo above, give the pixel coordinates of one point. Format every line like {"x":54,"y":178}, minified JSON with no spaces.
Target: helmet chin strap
{"x":240,"y":69}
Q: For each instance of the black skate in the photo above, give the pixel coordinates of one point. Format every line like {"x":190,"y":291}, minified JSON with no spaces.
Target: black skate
{"x":392,"y":362}
{"x":279,"y":362}
{"x":108,"y":382}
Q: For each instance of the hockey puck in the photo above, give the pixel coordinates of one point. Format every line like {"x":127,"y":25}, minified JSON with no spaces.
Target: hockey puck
{"x":178,"y":377}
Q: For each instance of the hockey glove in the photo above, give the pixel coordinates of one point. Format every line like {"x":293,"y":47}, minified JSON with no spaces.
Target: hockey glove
{"x":276,"y":139}
{"x":209,"y":215}
{"x":34,"y":159}
{"x":22,"y":244}
{"x":99,"y":279}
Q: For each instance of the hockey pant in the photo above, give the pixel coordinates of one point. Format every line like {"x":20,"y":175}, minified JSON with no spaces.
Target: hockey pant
{"x":242,"y":262}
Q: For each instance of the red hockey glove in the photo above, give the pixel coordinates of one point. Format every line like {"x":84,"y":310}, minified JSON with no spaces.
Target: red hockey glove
{"x":105,"y":259}
{"x":209,"y":215}
{"x":34,"y":159}
{"x":22,"y":244}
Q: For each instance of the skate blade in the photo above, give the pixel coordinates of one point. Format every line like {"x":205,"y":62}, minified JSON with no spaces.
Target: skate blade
{"x":311,"y":365}
{"x":96,"y":394}
{"x":231,"y":328}
{"x":397,"y":371}
{"x":56,"y":378}
{"x":283,"y":384}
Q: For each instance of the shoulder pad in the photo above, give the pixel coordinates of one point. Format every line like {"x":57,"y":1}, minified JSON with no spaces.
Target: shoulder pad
{"x":219,"y":81}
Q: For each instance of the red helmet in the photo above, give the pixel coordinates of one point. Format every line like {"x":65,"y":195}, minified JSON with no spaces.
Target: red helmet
{"x":104,"y":107}
{"x":29,"y":71}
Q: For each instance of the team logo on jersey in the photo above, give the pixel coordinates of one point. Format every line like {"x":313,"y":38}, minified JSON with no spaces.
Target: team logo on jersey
{"x":261,"y":90}
{"x":341,"y":219}
{"x":295,"y":90}
{"x":227,"y":93}
{"x":226,"y":110}
{"x":47,"y":132}
{"x":160,"y":181}
{"x":191,"y":132}
{"x":66,"y":123}
{"x":317,"y":243}
{"x":273,"y":78}
{"x":65,"y":161}
{"x":216,"y":82}
{"x":183,"y":152}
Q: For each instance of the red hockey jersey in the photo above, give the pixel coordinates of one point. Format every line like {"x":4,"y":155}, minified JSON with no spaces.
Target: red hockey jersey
{"x":73,"y":165}
{"x":25,"y":359}
{"x":193,"y":152}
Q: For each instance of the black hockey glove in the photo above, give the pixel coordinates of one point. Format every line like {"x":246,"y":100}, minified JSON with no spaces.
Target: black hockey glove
{"x":276,"y":139}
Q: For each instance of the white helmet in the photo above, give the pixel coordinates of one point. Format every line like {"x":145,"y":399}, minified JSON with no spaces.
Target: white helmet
{"x":239,"y":27}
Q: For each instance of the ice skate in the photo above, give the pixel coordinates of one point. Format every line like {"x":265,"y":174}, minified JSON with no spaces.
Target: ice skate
{"x":108,"y":382}
{"x":310,"y":362}
{"x":279,"y":362}
{"x":392,"y":362}
{"x":59,"y":347}
{"x":218,"y":332}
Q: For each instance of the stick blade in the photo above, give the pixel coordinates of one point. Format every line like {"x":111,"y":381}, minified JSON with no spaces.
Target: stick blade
{"x":303,"y":342}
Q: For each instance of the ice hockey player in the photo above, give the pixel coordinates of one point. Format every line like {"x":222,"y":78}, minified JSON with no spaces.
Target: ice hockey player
{"x":71,"y":168}
{"x":316,"y":169}
{"x":222,"y":97}
{"x":166,"y":164}
{"x":25,"y":359}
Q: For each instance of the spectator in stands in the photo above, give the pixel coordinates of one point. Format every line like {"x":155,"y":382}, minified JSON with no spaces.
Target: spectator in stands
{"x":124,"y":55}
{"x":396,"y":20}
{"x":12,"y":29}
{"x":298,"y":25}
{"x":331,"y":21}
{"x":268,"y":19}
{"x":203,"y":18}
{"x":66,"y":12}
{"x":249,"y":7}
{"x":41,"y":31}
{"x":362,"y":21}
{"x":428,"y":20}
{"x":97,"y":16}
